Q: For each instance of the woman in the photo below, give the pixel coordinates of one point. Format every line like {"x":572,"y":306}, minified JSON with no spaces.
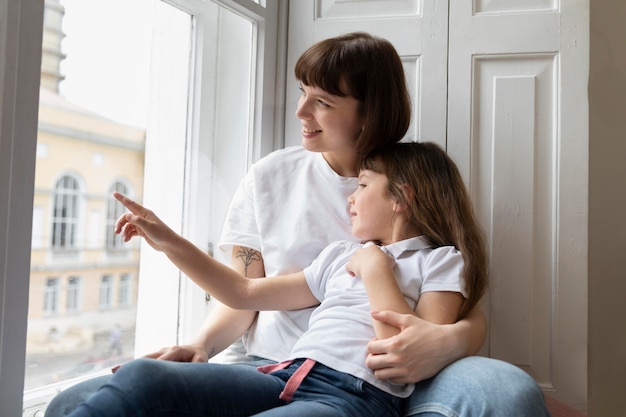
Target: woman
{"x":431,"y":262}
{"x":292,"y":204}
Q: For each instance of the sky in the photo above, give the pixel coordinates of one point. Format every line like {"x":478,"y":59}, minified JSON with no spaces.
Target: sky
{"x":107,"y":47}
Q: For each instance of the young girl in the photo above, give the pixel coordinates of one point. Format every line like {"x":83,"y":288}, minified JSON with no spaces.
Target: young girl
{"x":431,"y":262}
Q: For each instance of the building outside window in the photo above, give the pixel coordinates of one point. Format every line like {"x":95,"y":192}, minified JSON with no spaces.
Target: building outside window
{"x":83,"y":155}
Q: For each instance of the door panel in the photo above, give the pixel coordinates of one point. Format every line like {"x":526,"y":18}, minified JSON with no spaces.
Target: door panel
{"x":515,"y":132}
{"x":512,"y":180}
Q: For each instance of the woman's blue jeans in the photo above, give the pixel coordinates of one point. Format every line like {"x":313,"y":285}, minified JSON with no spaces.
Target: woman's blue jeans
{"x":471,"y":387}
{"x":148,"y":387}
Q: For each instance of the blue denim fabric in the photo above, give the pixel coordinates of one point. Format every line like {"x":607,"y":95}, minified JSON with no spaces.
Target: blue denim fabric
{"x":147,"y":387}
{"x":470,"y":387}
{"x":478,"y":386}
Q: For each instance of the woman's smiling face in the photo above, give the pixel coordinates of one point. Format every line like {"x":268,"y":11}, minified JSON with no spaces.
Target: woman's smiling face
{"x":330,"y":123}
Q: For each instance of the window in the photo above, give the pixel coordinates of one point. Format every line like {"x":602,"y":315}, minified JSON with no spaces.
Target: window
{"x":73,"y":294}
{"x":106,"y":292}
{"x":209,"y":86}
{"x":65,"y":215}
{"x":233,"y":105}
{"x":124,"y":294}
{"x":114,"y":210}
{"x":51,"y":297}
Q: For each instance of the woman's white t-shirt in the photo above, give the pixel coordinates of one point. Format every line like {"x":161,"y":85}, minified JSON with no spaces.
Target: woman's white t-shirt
{"x":290,"y":206}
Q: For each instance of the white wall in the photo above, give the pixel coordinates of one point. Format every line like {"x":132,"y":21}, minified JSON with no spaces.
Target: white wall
{"x":607,"y":210}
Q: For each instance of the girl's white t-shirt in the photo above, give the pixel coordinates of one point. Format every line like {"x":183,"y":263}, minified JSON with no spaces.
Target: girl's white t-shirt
{"x":341,"y":326}
{"x":290,"y":206}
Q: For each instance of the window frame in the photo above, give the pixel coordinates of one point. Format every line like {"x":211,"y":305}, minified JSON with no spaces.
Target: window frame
{"x":21,"y":28}
{"x":179,"y":318}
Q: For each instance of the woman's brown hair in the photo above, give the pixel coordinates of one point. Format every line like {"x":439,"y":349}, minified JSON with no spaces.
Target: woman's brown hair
{"x":373,"y":74}
{"x":424,"y":178}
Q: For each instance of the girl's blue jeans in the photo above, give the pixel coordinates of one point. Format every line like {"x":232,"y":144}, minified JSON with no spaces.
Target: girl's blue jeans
{"x":474,"y":386}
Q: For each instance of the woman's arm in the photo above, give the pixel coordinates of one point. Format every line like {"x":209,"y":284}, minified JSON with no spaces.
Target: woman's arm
{"x":224,"y":324}
{"x":277,"y":293}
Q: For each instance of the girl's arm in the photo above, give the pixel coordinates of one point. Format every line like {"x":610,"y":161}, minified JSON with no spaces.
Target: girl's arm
{"x":376,"y":269}
{"x":277,"y":293}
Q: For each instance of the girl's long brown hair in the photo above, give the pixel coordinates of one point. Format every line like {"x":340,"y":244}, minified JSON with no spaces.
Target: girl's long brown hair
{"x":422,"y":177}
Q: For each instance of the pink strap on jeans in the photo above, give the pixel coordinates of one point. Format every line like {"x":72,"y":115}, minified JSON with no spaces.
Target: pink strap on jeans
{"x":294,"y":380}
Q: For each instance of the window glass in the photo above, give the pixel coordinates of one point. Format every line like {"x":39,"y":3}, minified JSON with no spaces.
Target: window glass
{"x":95,"y":301}
{"x":91,"y":142}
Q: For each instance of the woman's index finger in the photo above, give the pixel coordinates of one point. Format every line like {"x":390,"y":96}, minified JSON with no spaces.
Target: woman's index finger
{"x":127,"y":202}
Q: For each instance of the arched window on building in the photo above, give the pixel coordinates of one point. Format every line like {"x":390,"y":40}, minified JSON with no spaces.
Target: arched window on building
{"x":114,"y":210}
{"x":65,"y":213}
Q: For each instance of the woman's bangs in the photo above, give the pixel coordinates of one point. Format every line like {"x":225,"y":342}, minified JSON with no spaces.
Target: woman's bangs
{"x":320,"y":70}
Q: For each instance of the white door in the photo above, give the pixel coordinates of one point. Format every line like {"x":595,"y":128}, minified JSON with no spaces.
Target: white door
{"x":517,"y":126}
{"x":501,"y":84}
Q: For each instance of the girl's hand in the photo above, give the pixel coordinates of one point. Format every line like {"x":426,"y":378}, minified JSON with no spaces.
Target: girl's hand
{"x":144,"y":223}
{"x":368,"y":259}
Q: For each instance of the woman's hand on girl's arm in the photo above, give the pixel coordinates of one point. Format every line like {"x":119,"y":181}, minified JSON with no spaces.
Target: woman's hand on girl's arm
{"x":422,"y":349}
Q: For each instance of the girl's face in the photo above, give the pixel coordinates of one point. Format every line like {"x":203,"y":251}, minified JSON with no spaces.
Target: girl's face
{"x":330,"y":123}
{"x":373,"y":210}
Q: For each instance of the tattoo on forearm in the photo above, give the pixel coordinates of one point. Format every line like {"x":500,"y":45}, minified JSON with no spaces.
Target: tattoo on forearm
{"x":248,"y":256}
